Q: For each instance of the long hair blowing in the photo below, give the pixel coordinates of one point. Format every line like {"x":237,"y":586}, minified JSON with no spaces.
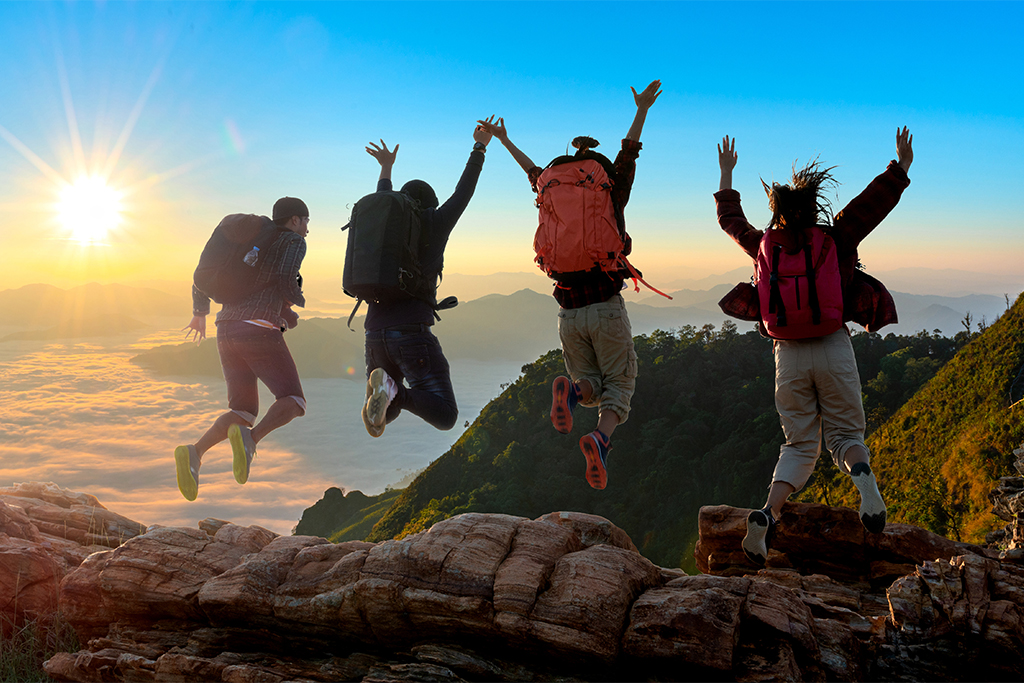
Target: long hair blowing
{"x":802,"y":203}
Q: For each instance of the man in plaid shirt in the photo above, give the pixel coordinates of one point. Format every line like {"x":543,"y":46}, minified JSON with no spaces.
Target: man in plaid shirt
{"x":251,"y":344}
{"x":597,"y":341}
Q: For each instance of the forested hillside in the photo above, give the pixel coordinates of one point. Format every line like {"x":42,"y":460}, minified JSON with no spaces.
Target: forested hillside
{"x":939,"y":455}
{"x":703,"y":430}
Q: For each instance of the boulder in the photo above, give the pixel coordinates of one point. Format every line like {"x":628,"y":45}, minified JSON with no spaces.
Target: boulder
{"x":45,"y":532}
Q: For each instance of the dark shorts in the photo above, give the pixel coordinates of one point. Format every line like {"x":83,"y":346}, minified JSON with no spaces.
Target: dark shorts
{"x":249,"y":353}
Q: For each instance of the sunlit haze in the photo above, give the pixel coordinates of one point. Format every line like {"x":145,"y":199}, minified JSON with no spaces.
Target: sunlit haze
{"x":129,"y":129}
{"x":89,"y":209}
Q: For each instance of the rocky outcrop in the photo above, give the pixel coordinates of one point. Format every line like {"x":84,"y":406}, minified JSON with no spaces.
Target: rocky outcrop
{"x":45,"y":532}
{"x":1008,"y":504}
{"x":495,"y":597}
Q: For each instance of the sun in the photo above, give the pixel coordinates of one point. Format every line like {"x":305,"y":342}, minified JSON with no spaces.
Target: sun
{"x":89,"y":209}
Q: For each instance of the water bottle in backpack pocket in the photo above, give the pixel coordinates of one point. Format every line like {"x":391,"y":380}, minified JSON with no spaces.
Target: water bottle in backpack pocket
{"x":229,"y":265}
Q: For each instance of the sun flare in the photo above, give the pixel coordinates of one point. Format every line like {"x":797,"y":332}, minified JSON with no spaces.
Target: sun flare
{"x":89,"y":209}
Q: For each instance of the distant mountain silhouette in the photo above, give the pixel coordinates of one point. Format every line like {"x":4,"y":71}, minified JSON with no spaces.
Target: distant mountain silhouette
{"x":49,"y":312}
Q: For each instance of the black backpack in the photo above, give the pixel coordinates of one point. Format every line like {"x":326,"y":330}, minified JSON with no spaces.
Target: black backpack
{"x":382,"y":259}
{"x":229,"y":263}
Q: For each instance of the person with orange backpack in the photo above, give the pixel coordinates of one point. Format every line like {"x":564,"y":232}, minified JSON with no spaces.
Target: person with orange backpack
{"x":808,"y":286}
{"x":581,"y":243}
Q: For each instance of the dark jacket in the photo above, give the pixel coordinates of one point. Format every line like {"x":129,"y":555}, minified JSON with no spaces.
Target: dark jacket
{"x":436,"y":225}
{"x":866,"y":301}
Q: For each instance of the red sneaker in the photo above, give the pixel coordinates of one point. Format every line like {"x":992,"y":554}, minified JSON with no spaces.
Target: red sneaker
{"x":595,"y":447}
{"x":564,"y":396}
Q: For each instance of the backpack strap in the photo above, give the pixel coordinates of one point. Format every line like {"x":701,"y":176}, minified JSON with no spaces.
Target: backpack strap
{"x":635,"y":276}
{"x":812,"y":288}
{"x":775,"y":303}
{"x":353,"y":314}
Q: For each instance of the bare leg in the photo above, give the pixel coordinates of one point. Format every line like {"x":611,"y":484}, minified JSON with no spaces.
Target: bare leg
{"x":219,"y":431}
{"x":854,"y":455}
{"x":586,"y":390}
{"x":607,"y":421}
{"x":778,"y":494}
{"x":283,"y":411}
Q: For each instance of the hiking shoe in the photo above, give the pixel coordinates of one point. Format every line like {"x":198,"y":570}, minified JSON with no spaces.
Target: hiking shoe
{"x":186,"y":462}
{"x":564,"y":397}
{"x":244,"y":450}
{"x":372,"y":429}
{"x":379,"y":394}
{"x":760,"y":531}
{"x":595,"y":447}
{"x":872,"y":507}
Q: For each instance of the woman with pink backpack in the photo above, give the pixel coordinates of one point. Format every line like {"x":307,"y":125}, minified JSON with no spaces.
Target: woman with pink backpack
{"x":807,"y":288}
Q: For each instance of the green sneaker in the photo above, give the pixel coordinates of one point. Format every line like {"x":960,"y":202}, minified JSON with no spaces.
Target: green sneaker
{"x":244,"y":450}
{"x":186,"y":463}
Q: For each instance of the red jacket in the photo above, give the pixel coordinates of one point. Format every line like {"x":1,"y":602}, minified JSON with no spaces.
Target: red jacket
{"x":866,"y":301}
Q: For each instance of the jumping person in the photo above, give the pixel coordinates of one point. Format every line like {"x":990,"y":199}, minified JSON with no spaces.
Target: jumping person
{"x":251,"y":343}
{"x":399,"y":344}
{"x":805,"y":253}
{"x":594,"y":329}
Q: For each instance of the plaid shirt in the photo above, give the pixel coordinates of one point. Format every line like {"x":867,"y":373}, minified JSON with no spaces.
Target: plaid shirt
{"x":280,"y":266}
{"x":594,"y":288}
{"x":866,"y":301}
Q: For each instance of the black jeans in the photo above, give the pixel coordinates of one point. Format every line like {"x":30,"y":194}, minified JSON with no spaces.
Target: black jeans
{"x":412,"y":353}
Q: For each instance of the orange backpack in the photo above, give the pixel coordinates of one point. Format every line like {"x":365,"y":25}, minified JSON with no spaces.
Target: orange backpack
{"x":578,"y":232}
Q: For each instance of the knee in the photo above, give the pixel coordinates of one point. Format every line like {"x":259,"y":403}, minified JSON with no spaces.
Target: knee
{"x":300,"y":405}
{"x":448,"y":420}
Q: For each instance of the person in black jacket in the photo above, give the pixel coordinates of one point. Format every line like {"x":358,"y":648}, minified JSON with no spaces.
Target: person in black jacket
{"x":399,"y":344}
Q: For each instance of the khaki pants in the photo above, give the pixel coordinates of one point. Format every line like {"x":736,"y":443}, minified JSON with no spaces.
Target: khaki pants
{"x":817,"y":389}
{"x":597,"y":345}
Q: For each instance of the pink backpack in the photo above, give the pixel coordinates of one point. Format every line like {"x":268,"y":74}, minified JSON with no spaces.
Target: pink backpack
{"x":801,"y":294}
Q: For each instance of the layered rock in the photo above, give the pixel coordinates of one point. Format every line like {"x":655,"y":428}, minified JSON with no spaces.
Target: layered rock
{"x":1008,"y":504}
{"x":566,"y":596}
{"x":46,"y":531}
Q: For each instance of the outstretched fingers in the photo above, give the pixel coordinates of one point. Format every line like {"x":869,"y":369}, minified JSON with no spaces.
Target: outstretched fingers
{"x":646,"y":98}
{"x":727,"y":153}
{"x":904,"y":148}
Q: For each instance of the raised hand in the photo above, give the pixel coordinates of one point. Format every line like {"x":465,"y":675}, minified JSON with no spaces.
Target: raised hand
{"x":495,"y":128}
{"x":727,"y":154}
{"x":383,"y":155}
{"x":482,"y":134}
{"x":904,"y":148}
{"x":645,"y":99}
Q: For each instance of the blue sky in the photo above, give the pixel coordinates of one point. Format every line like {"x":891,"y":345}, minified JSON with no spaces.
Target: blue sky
{"x":203,"y":109}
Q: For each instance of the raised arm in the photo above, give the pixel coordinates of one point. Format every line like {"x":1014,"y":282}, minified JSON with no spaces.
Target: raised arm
{"x":904,"y":148}
{"x":384,"y":156}
{"x":497,"y":129}
{"x":727,"y":203}
{"x":870,"y":207}
{"x":726,"y":161}
{"x":643,"y":101}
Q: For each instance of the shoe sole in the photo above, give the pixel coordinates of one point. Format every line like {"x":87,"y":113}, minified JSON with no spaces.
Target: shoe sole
{"x":188,"y":486}
{"x":754,"y":541}
{"x":872,"y":507}
{"x":371,"y":429}
{"x":239,"y":464}
{"x":561,"y":416}
{"x":597,"y":474}
{"x":377,"y":403}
